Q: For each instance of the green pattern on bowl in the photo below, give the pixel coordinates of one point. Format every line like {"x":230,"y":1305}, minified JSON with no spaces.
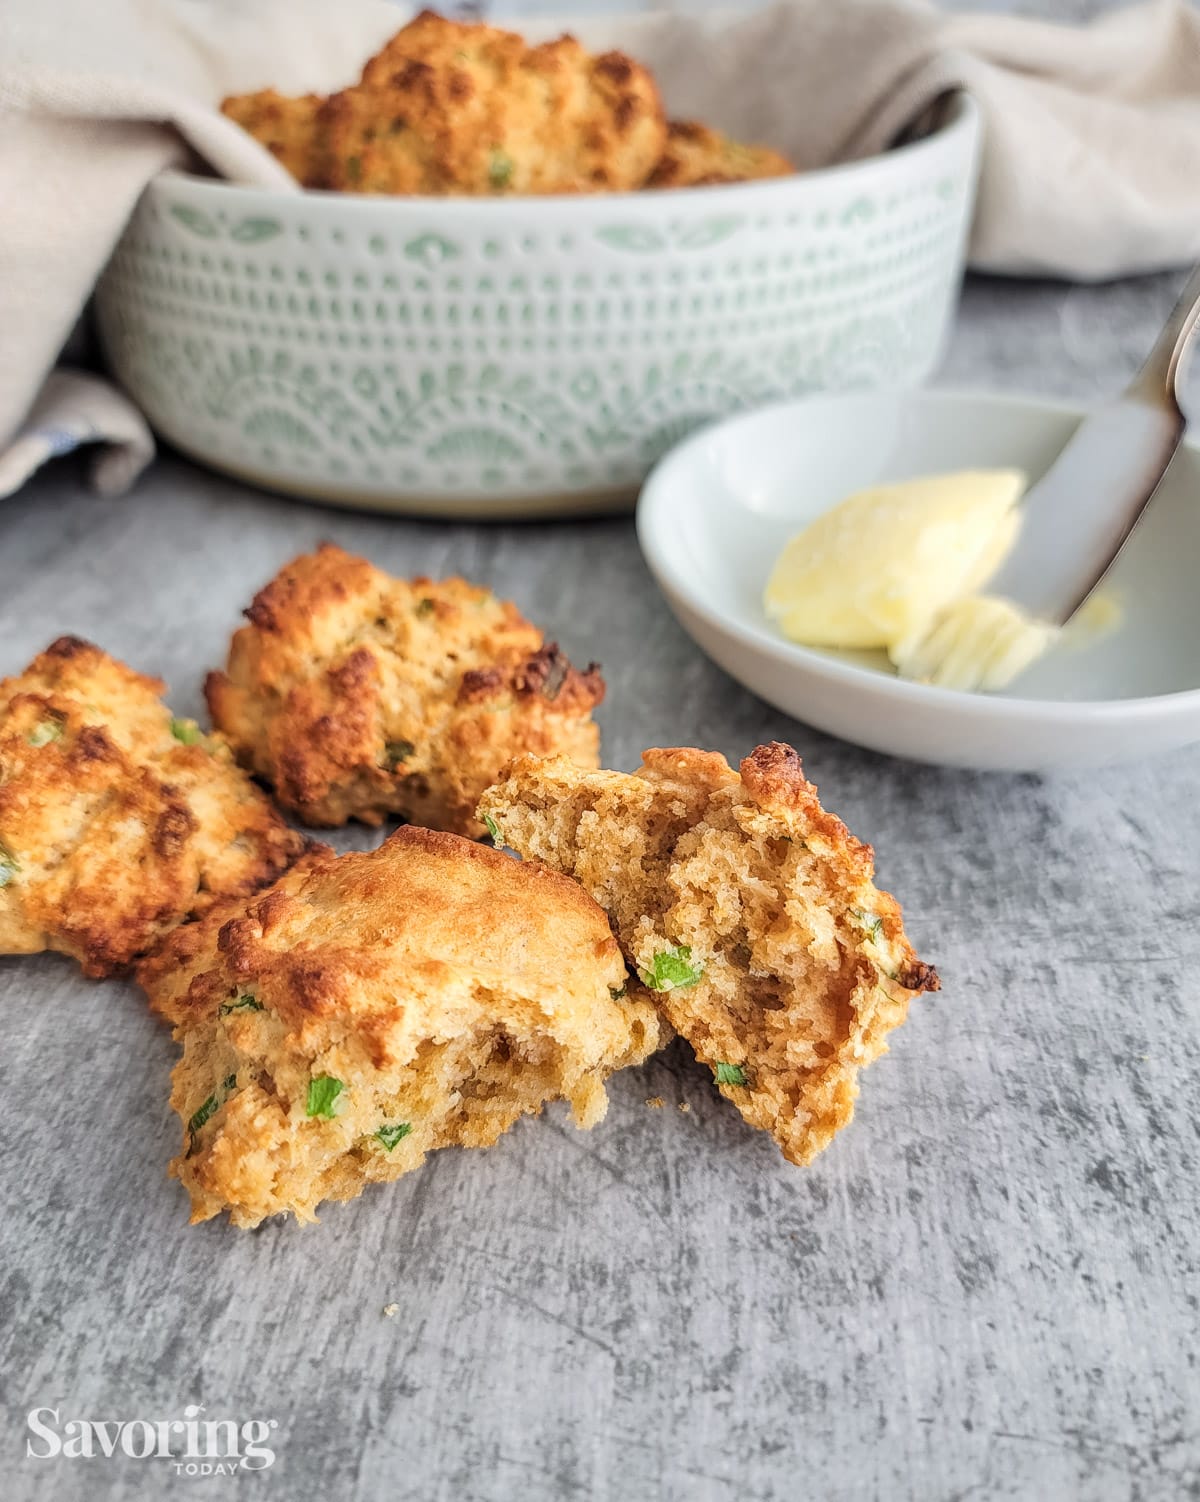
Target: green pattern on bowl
{"x":506,"y":356}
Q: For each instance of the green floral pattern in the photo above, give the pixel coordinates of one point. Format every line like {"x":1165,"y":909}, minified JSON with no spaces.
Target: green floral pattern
{"x":205,"y":227}
{"x":432,"y":362}
{"x":647,"y":239}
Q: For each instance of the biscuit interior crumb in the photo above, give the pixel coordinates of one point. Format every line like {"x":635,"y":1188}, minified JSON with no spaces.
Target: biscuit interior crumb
{"x":371,"y":1008}
{"x":746,"y":908}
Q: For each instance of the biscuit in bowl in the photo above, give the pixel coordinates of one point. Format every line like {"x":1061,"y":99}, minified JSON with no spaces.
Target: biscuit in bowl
{"x":371,"y":1008}
{"x":361,"y":696}
{"x":117,"y":821}
{"x":696,"y":156}
{"x":458,"y":108}
{"x":287,"y":126}
{"x":747,"y":909}
{"x":455,"y":108}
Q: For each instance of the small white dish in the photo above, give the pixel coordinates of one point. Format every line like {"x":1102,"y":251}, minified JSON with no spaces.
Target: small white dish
{"x":716,"y":511}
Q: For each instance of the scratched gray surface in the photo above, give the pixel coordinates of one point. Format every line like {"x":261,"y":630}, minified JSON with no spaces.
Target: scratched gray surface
{"x":987,"y":1288}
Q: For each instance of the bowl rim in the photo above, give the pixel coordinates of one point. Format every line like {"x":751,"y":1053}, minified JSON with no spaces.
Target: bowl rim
{"x":1179,"y":703}
{"x":963,"y":119}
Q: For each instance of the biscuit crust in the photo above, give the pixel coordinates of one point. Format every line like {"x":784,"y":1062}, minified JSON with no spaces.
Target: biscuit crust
{"x":748,"y":909}
{"x":116,"y":821}
{"x":287,"y":126}
{"x":448,"y":107}
{"x":442,"y":987}
{"x":360,"y":696}
{"x":695,"y":156}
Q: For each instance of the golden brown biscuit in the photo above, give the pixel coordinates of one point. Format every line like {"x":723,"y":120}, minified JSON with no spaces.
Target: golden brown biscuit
{"x":360,"y":696}
{"x":116,"y":821}
{"x":746,"y":908}
{"x":453,"y":108}
{"x":369,"y":1009}
{"x":286,"y":126}
{"x":697,"y":157}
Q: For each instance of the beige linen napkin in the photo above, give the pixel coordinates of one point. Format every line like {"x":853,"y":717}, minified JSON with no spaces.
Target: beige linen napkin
{"x":1090,"y":164}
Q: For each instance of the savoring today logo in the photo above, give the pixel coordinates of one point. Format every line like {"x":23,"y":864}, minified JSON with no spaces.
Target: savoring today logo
{"x":191,"y":1445}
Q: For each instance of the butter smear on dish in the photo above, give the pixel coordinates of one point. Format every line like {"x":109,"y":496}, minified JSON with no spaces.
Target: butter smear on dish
{"x":901,"y":567}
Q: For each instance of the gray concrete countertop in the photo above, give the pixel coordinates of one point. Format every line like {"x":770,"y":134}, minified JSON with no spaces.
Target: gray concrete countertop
{"x":986,"y":1288}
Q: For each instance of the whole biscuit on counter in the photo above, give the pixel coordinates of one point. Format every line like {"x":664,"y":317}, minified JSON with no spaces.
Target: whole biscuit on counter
{"x":361,"y":696}
{"x":117,"y":821}
{"x":745,"y":907}
{"x":371,"y":1008}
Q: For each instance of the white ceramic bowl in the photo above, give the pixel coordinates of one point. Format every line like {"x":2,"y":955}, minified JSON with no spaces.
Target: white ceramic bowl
{"x":715,"y":513}
{"x":519,"y":356}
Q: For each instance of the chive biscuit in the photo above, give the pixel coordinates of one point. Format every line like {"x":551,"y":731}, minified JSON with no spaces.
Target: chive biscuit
{"x":448,"y":107}
{"x":745,"y":907}
{"x":697,"y":157}
{"x":370,"y":1008}
{"x":287,"y":127}
{"x":359,"y":696}
{"x":116,"y":820}
{"x":457,"y":108}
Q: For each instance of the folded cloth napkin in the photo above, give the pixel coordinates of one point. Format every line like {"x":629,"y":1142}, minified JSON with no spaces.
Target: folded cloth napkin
{"x":1091,"y":158}
{"x":73,"y":409}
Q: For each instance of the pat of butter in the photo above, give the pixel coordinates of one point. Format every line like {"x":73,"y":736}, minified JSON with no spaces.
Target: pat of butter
{"x":980,"y":642}
{"x":875,"y":570}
